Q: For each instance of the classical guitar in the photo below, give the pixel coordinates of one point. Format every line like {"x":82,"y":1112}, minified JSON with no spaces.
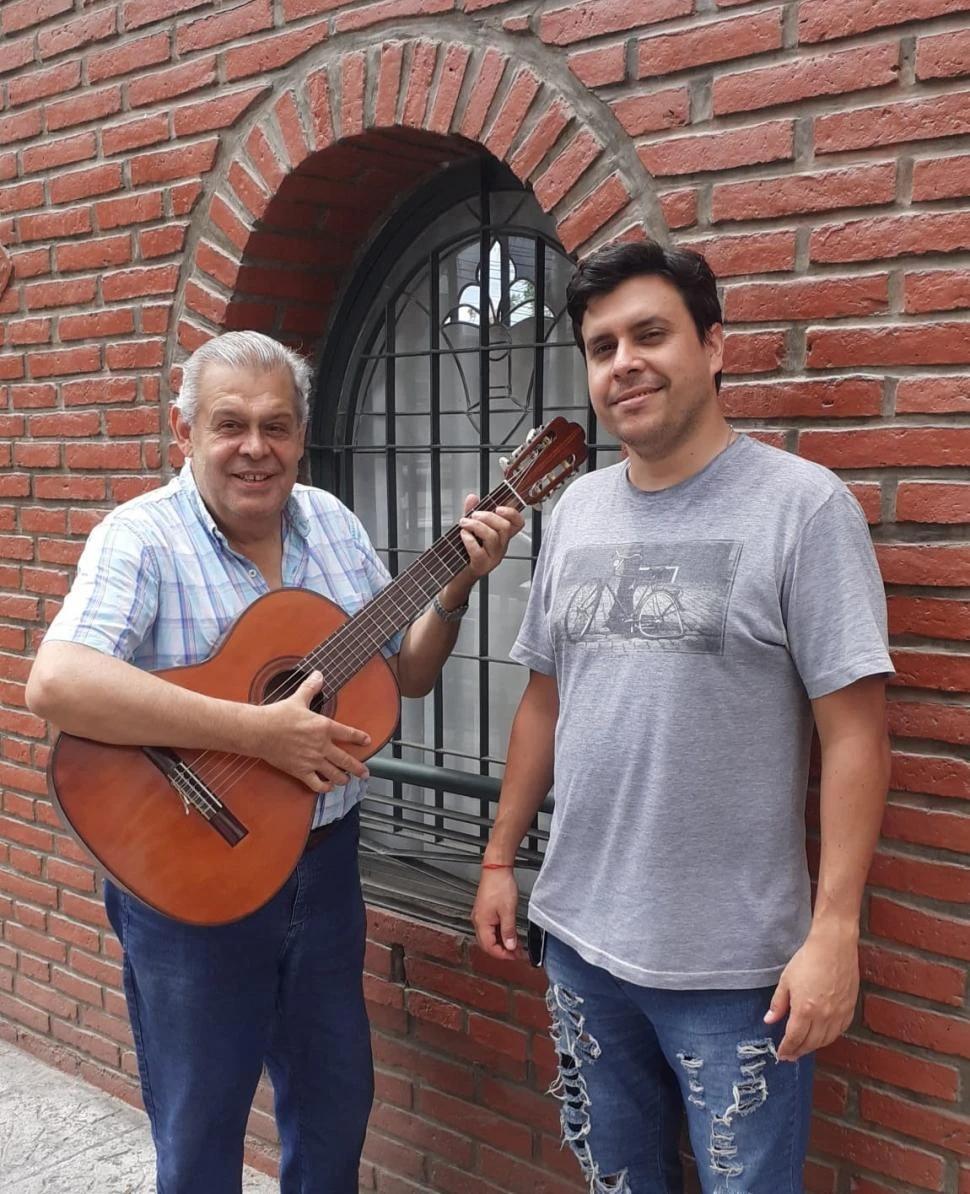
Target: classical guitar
{"x":207,"y":837}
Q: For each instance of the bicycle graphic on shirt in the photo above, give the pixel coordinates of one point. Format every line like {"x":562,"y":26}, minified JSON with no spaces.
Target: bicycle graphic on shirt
{"x":639,"y":601}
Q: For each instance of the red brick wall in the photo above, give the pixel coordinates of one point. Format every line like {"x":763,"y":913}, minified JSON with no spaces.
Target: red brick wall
{"x":168,"y":167}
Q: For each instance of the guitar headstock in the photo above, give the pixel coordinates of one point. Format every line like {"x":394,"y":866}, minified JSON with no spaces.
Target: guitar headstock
{"x":549,"y":456}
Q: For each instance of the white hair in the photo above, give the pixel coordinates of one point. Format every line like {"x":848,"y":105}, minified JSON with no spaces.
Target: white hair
{"x":243,"y":350}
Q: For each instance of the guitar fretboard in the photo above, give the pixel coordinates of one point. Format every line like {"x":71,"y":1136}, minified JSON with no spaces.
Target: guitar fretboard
{"x":346,"y":651}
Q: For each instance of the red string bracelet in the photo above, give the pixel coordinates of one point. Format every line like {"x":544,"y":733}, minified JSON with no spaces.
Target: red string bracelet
{"x":498,"y":866}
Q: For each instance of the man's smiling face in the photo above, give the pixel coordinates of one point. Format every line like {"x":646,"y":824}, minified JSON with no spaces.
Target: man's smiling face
{"x":245,"y":445}
{"x":651,"y":377}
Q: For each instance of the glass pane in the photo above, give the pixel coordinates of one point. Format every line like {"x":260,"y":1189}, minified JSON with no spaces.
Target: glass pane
{"x":508,"y":590}
{"x":606,"y":456}
{"x":414,"y":515}
{"x":558,"y":270}
{"x":459,"y":384}
{"x":412,"y":331}
{"x":370,"y":495}
{"x":371,"y":392}
{"x":459,"y":685}
{"x":520,"y":208}
{"x":565,"y":390}
{"x":459,"y":476}
{"x":417,"y":721}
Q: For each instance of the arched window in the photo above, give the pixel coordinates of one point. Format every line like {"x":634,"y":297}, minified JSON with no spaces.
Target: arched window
{"x":452,"y":343}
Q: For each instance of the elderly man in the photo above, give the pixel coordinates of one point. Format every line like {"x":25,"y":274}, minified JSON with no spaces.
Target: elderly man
{"x":159,"y":582}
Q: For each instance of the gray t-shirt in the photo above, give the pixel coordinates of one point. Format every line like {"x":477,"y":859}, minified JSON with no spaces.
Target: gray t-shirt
{"x":688,"y":630}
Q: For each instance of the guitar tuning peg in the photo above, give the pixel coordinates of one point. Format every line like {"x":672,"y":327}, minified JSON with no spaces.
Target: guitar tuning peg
{"x":532,"y":434}
{"x":503,"y":462}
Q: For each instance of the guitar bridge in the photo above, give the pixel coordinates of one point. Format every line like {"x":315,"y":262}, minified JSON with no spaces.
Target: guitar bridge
{"x":196,"y":795}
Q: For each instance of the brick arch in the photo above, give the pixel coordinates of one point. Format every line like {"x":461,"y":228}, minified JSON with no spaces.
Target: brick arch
{"x":322,"y":162}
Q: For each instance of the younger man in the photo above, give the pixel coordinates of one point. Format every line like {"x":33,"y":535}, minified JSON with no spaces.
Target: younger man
{"x":695,"y":609}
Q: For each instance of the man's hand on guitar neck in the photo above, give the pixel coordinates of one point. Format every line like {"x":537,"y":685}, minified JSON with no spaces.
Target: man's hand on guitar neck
{"x":486,"y":535}
{"x":429,"y":640}
{"x":306,"y":745}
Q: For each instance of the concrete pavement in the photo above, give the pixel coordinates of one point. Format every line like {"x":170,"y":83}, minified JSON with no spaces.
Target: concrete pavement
{"x":58,"y":1135}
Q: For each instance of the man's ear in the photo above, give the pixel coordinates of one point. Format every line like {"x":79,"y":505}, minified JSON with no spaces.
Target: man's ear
{"x":714,"y":342}
{"x":181,"y":430}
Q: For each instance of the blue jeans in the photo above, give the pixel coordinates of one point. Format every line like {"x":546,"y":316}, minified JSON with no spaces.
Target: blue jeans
{"x":209,"y":1006}
{"x":633,"y":1059}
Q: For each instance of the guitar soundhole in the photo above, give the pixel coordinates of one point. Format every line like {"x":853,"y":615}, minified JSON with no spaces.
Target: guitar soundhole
{"x":274,"y":683}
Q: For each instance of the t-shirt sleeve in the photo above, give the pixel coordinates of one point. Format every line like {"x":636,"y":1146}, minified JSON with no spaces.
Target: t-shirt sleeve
{"x":534,"y":645}
{"x":376,"y":576}
{"x":834,"y":601}
{"x":113,"y":602}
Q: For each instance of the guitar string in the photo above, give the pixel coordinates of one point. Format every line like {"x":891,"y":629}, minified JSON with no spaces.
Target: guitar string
{"x":230,"y":767}
{"x":226,"y":769}
{"x":367,"y":631}
{"x":235,"y":766}
{"x":224,"y":772}
{"x":345,"y":662}
{"x":357,"y":631}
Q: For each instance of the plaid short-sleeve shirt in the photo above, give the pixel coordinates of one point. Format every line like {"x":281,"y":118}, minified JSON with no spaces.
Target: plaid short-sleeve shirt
{"x":158,"y":584}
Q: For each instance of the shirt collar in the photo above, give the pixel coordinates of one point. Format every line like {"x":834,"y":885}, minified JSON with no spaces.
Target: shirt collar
{"x":292,"y":513}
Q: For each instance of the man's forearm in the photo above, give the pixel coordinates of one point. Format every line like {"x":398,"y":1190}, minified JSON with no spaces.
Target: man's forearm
{"x":851,"y":724}
{"x":855,"y":776}
{"x":97,"y":696}
{"x":854,"y":780}
{"x":528,"y":770}
{"x":427,"y":644}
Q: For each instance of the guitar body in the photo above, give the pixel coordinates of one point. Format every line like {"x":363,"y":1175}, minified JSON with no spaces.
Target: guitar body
{"x":128,"y":814}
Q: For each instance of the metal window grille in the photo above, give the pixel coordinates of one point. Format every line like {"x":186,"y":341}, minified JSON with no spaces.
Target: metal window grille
{"x":452,"y":343}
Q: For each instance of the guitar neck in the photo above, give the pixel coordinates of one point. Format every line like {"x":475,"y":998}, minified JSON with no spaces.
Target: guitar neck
{"x":346,"y":651}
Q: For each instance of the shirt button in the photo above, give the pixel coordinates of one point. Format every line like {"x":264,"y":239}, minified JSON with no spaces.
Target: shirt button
{"x":252,"y":571}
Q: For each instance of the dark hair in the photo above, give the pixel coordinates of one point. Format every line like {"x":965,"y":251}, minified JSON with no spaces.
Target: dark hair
{"x":603,"y":271}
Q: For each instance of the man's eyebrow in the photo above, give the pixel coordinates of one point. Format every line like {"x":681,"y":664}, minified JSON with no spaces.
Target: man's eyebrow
{"x":226,"y":408}
{"x":649,"y":321}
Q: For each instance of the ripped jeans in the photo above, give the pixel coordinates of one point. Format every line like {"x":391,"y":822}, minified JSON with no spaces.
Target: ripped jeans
{"x":633,"y":1059}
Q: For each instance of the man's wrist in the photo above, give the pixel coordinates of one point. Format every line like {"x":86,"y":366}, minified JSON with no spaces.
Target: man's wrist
{"x":448,"y":615}
{"x":452,"y":598}
{"x":500,"y":853}
{"x":457,"y":591}
{"x":835,"y":922}
{"x":251,"y":727}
